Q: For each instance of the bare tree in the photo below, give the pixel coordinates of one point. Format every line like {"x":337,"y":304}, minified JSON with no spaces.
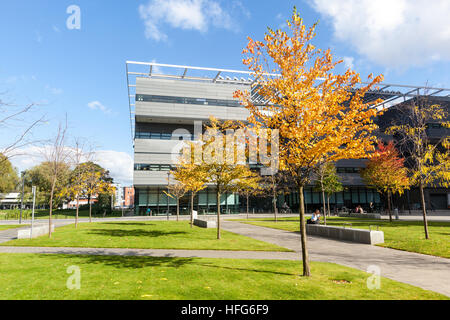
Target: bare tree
{"x":12,"y":117}
{"x":57,"y":155}
{"x":82,"y":152}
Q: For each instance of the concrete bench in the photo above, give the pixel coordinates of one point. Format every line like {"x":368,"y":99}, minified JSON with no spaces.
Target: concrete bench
{"x":205,"y":223}
{"x":347,"y":234}
{"x":375,"y":216}
{"x":38,"y":230}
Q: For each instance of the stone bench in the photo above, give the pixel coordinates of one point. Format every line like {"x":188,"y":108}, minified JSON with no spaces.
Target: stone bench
{"x":375,"y":216}
{"x":38,"y":230}
{"x":347,"y":234}
{"x":205,"y":223}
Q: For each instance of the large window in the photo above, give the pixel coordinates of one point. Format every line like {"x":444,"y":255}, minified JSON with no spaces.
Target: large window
{"x":152,"y":167}
{"x":185,"y":100}
{"x":162,"y":136}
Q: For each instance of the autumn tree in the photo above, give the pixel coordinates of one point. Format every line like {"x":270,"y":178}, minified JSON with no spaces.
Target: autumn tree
{"x":76,"y":186}
{"x":273,"y":185}
{"x":223,"y":163}
{"x":428,"y":160}
{"x":331,"y":183}
{"x":250,"y":186}
{"x":327,"y":182}
{"x":176,"y":190}
{"x":385,"y":171}
{"x":191,"y":176}
{"x":95,"y":181}
{"x":320,"y":115}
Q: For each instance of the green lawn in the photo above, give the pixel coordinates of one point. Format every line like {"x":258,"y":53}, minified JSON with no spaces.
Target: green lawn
{"x":10,"y":226}
{"x":145,"y":235}
{"x":38,"y":276}
{"x":402,"y":235}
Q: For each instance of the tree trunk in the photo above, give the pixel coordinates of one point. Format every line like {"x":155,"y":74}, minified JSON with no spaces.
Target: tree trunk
{"x":178,"y":208}
{"x":247,"y":204}
{"x":90,"y":208}
{"x":328,"y":201}
{"x":76,"y":213}
{"x":218,"y":213}
{"x":389,"y":205}
{"x":324,"y":208}
{"x":192,"y":209}
{"x":51,"y":211}
{"x":275,"y":209}
{"x":424,"y":211}
{"x":305,"y":259}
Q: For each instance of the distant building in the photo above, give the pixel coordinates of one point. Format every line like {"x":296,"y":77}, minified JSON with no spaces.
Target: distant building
{"x":128,"y":197}
{"x":10,"y":200}
{"x":82,"y":201}
{"x":118,"y":195}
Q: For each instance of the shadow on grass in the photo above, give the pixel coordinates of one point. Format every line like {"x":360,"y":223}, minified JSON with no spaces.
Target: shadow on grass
{"x":246,"y":269}
{"x":134,"y":233}
{"x":139,"y":224}
{"x":139,"y":262}
{"x":127,"y":262}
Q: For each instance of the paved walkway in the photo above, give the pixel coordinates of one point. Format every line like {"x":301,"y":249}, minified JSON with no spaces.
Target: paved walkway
{"x":428,"y":272}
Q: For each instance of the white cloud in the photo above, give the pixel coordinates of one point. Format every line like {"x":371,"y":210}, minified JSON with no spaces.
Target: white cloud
{"x":55,"y":91}
{"x":184,"y":14}
{"x":97,"y":105}
{"x":349,"y":62}
{"x":394,"y":34}
{"x":119,"y":164}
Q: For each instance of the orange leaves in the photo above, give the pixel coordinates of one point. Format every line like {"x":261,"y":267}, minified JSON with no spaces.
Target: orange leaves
{"x":386,"y":171}
{"x":320,"y":115}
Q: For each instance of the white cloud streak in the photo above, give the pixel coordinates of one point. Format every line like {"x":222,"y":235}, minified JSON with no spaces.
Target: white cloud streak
{"x":119,"y":164}
{"x":196,"y":15}
{"x":97,"y":105}
{"x":394,"y":34}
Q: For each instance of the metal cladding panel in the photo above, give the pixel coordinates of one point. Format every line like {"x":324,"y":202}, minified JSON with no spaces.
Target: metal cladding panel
{"x":189,"y":111}
{"x":148,"y":178}
{"x":155,"y":158}
{"x":156,"y":146}
{"x":184,"y":88}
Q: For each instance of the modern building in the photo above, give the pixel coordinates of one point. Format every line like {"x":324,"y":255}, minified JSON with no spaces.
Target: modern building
{"x":169,"y":103}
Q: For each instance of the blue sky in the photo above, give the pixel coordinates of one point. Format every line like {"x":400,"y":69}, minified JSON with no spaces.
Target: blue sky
{"x":81,"y":73}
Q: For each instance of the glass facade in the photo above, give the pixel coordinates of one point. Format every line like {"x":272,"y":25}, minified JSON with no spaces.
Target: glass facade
{"x":205,"y":202}
{"x":152,"y":167}
{"x":184,"y":100}
{"x":349,"y":198}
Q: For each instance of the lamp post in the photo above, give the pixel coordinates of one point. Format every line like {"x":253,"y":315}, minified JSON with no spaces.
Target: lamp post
{"x":33,"y":188}
{"x":21,"y":201}
{"x":168,"y":177}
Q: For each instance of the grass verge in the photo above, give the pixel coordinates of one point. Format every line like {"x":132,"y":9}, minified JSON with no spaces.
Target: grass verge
{"x":145,"y":235}
{"x":38,"y":276}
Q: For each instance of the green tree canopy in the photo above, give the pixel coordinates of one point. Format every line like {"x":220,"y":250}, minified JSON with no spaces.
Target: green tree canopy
{"x":8,"y":175}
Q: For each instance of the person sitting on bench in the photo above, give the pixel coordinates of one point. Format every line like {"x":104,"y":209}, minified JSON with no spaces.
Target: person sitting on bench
{"x":315,"y":218}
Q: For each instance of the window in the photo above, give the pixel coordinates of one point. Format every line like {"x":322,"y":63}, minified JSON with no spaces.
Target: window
{"x":185,"y":100}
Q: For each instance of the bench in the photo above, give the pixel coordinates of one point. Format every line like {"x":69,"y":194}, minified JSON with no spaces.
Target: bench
{"x":205,"y":223}
{"x":376,"y":216}
{"x":38,"y":230}
{"x":347,"y":234}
